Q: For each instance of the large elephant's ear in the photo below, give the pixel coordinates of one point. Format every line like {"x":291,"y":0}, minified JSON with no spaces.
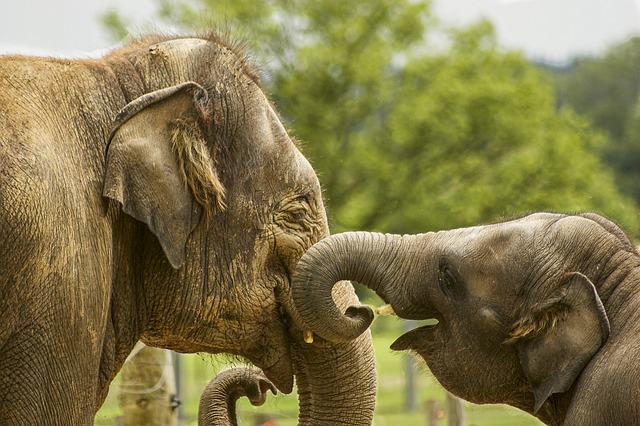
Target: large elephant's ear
{"x":559,"y":336}
{"x":158,"y":164}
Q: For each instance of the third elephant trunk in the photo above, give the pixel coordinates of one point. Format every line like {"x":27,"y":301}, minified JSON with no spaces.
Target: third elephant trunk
{"x":379,"y":261}
{"x":336,"y":384}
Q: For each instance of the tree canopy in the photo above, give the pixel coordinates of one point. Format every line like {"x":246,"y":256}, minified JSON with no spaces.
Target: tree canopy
{"x":606,"y":89}
{"x":412,"y":126}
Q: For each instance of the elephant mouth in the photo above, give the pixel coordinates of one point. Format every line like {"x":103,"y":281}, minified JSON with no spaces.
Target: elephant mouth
{"x":273,"y":355}
{"x":281,"y":373}
{"x":275,"y":359}
{"x":269,"y":348}
{"x":415,"y":339}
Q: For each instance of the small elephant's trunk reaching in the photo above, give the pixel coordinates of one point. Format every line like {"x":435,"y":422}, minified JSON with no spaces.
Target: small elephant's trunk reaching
{"x":368,"y":258}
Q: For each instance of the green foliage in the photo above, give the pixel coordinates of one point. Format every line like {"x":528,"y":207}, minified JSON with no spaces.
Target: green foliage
{"x":115,"y":24}
{"x":607,"y":91}
{"x":414,"y":127}
{"x":480,"y":138}
{"x":604,"y":88}
{"x":338,"y":92}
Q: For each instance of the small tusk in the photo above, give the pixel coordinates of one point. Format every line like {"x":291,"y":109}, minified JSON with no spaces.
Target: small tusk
{"x":385,"y":310}
{"x":308,"y":336}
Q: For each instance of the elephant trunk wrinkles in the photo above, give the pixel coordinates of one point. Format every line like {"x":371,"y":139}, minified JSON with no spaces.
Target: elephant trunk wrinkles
{"x":218,"y":401}
{"x":371,"y":259}
{"x":336,"y":385}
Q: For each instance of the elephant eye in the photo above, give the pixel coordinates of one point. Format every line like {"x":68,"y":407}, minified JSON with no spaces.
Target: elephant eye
{"x":450,"y":281}
{"x":298,"y":209}
{"x":295,"y":213}
{"x":303,"y":199}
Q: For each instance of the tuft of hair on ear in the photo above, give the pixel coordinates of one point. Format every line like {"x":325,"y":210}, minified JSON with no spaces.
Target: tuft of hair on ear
{"x":197,"y":166}
{"x":539,"y":320}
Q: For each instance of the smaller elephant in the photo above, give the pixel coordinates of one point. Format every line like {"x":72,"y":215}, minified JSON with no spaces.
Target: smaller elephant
{"x":218,"y":401}
{"x":541,"y":312}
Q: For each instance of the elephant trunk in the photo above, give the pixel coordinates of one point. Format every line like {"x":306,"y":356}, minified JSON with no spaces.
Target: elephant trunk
{"x":337,"y":384}
{"x":218,"y":401}
{"x":379,"y":261}
{"x":332,"y":388}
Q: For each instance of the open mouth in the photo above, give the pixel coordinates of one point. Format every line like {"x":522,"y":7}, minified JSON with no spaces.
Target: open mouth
{"x":415,"y":338}
{"x":410,"y":340}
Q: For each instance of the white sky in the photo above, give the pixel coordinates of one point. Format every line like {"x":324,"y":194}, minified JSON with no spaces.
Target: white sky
{"x":552,"y":30}
{"x":63,"y":27}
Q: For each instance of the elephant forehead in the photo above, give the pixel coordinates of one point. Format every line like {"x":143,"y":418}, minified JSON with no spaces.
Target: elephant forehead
{"x":269,"y":129}
{"x":484,"y":239}
{"x":517,"y":231}
{"x":304,"y":172}
{"x":286,"y":159}
{"x":182,"y":44}
{"x":489,"y":249}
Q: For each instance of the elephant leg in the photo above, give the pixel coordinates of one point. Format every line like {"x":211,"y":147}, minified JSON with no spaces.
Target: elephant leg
{"x":39,"y":393}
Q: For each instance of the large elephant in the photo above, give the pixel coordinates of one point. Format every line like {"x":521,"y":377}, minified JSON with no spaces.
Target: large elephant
{"x":154,"y":195}
{"x":541,"y":312}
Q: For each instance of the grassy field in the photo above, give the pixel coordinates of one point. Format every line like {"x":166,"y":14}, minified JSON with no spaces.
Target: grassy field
{"x":391,"y":400}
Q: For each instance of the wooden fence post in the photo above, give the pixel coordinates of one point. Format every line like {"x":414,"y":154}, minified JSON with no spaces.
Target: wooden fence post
{"x":456,"y":414}
{"x":147,"y":388}
{"x":433,"y":411}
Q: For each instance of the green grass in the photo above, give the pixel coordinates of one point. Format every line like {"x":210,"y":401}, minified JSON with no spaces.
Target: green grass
{"x":390,"y":407}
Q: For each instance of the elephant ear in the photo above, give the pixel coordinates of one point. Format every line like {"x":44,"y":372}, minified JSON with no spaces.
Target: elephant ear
{"x":158,"y":164}
{"x":558,"y":338}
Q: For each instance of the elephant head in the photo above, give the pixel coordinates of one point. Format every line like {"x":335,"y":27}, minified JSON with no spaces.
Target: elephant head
{"x":208,"y":167}
{"x":154,"y":194}
{"x":218,"y":400}
{"x":520,"y":309}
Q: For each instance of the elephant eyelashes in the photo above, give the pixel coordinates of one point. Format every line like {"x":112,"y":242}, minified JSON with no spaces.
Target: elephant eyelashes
{"x":299,"y":208}
{"x":449,"y":281}
{"x":296,"y":210}
{"x":303,"y":199}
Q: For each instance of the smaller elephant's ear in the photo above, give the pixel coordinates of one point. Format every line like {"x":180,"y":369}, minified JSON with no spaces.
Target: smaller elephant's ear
{"x":558,"y":338}
{"x":158,"y":163}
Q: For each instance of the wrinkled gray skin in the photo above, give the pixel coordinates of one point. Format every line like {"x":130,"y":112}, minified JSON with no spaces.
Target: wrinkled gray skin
{"x":542,"y":312}
{"x":154,"y":195}
{"x":218,"y":400}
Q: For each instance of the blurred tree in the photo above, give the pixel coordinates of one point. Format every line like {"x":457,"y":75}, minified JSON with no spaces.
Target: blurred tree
{"x":115,"y":24}
{"x":339,"y":91}
{"x":479,"y":137}
{"x":607,"y":90}
{"x":411,"y":126}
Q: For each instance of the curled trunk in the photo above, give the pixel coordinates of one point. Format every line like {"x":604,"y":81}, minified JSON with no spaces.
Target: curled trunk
{"x":218,"y":401}
{"x":369,"y":258}
{"x":336,"y":386}
{"x":336,"y":383}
